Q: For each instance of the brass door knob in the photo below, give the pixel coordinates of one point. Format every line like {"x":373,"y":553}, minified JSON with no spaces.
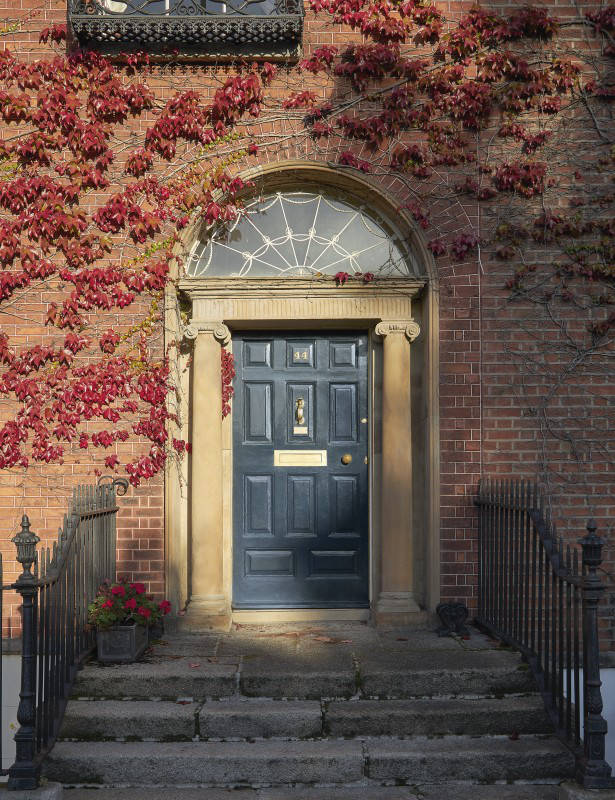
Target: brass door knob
{"x":346,"y":458}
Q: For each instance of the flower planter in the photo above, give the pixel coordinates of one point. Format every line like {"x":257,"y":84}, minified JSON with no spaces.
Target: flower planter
{"x":121,"y":644}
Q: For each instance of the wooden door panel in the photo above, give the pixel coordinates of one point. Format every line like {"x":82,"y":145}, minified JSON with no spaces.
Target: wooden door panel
{"x":301,"y":505}
{"x":343,"y":424}
{"x":258,"y":425}
{"x":258,"y":505}
{"x":300,"y":530}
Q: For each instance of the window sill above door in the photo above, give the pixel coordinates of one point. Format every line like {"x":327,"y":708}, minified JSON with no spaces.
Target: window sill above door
{"x":195,"y":30}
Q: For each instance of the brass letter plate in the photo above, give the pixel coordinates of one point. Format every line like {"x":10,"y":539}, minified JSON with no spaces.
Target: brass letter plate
{"x":299,"y":458}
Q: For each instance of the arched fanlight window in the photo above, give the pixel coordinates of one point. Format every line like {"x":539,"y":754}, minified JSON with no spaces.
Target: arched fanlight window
{"x":301,"y":235}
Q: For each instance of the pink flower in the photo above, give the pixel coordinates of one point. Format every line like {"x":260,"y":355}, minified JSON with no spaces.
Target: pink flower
{"x":139,"y":588}
{"x":108,"y":604}
{"x":145,"y":612}
{"x":130,"y":604}
{"x":164,"y":606}
{"x":118,"y":590}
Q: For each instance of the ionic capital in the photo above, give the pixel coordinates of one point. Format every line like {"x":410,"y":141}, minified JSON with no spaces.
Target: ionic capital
{"x":409,"y":328}
{"x":217,"y":329}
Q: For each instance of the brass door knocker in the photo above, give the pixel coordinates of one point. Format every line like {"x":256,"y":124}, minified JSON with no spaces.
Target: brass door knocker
{"x":299,"y":417}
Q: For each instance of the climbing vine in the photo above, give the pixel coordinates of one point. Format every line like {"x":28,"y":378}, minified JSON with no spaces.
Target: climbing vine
{"x":498,"y":130}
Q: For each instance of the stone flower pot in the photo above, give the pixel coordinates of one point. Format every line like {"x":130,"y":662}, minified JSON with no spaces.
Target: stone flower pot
{"x":121,"y":644}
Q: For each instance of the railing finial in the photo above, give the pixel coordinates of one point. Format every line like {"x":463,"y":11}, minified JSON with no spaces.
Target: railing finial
{"x":592,"y":545}
{"x":25,"y":541}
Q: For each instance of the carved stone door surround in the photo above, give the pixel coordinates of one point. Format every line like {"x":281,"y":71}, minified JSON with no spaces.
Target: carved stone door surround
{"x":385,"y":309}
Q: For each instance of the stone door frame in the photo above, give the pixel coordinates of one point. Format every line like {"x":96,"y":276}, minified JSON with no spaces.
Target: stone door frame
{"x":400,"y":315}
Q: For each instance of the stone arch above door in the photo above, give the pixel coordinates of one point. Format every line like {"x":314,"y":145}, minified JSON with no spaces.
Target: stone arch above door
{"x":378,"y":205}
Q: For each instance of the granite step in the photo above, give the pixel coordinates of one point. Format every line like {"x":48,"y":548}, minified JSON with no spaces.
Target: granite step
{"x":163,"y":679}
{"x":333,"y":761}
{"x":169,"y":721}
{"x":253,"y":719}
{"x":438,"y":716}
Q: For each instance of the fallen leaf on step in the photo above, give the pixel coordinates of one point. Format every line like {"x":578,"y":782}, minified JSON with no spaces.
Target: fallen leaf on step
{"x":514,"y":736}
{"x":330,"y":640}
{"x":194,"y":666}
{"x":401,"y":639}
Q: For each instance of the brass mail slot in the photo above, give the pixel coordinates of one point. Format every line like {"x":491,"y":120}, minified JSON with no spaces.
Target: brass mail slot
{"x":299,"y":458}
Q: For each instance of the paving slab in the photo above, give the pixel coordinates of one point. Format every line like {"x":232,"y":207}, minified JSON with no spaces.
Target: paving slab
{"x":286,"y":793}
{"x":170,"y":678}
{"x":518,"y":791}
{"x":307,"y":676}
{"x":135,"y":719}
{"x":441,"y":791}
{"x":410,"y":673}
{"x":50,"y":791}
{"x":260,"y":719}
{"x":437,"y":716}
{"x":464,"y":758}
{"x":572,"y":791}
{"x":206,"y":763}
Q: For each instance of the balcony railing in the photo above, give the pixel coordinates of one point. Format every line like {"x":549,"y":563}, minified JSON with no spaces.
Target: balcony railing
{"x":206,"y":27}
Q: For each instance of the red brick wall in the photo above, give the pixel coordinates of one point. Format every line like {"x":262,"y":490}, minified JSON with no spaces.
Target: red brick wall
{"x":483,"y":428}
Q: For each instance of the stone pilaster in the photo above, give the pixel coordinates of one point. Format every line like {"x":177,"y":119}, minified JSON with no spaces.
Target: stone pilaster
{"x":395,"y":600}
{"x":209,"y":606}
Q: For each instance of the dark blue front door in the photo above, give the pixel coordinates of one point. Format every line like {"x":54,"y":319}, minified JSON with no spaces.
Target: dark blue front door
{"x":300,"y":471}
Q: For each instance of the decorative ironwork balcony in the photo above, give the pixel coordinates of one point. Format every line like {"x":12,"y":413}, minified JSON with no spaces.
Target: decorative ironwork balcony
{"x":194,"y":27}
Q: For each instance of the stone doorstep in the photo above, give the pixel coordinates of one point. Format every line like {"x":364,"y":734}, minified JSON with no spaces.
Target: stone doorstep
{"x":246,"y":719}
{"x":345,"y":660}
{"x":335,"y":761}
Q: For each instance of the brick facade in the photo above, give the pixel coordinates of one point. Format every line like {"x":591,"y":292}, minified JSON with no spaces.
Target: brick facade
{"x":484,"y":423}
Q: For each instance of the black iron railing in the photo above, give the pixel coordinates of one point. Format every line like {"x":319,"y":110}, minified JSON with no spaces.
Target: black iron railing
{"x":192,"y":26}
{"x":56,"y":586}
{"x":541,"y":597}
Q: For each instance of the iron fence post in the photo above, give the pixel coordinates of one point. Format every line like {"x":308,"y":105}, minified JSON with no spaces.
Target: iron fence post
{"x":594,"y":772}
{"x":24,"y":774}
